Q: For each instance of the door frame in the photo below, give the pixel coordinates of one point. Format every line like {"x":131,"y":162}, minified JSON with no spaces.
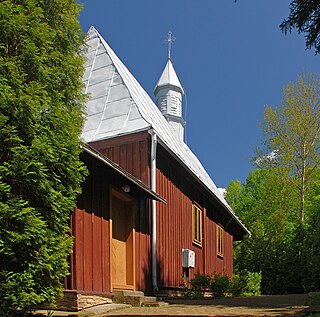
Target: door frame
{"x":126,"y":198}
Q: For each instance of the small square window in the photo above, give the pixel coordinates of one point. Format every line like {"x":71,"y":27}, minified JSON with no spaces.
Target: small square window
{"x":197,"y":225}
{"x":219,"y":241}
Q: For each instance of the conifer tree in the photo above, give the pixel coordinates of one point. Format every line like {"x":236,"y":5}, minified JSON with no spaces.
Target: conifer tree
{"x":305,"y":18}
{"x":41,"y":117}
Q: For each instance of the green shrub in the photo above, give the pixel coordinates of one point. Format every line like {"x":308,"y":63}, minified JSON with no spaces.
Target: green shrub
{"x":186,"y":291}
{"x":237,"y":284}
{"x":246,"y":283}
{"x":219,"y":285}
{"x":314,"y":298}
{"x":200,"y":283}
{"x":253,"y":283}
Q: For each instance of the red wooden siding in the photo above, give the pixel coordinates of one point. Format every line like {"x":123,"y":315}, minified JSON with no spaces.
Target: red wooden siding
{"x":90,"y":260}
{"x":91,"y":255}
{"x":215,"y":263}
{"x":91,"y":245}
{"x":130,"y":152}
{"x":174,"y":220}
{"x":174,"y":226}
{"x":143,"y":260}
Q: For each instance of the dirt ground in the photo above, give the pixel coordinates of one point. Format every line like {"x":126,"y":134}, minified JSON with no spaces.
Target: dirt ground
{"x":282,"y":305}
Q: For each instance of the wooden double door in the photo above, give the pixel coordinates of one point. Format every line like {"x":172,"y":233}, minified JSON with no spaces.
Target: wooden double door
{"x":122,"y":257}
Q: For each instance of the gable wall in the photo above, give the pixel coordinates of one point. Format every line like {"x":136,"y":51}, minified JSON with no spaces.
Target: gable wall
{"x":130,"y":152}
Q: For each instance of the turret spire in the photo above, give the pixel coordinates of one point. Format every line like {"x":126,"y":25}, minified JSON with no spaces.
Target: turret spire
{"x":169,"y":92}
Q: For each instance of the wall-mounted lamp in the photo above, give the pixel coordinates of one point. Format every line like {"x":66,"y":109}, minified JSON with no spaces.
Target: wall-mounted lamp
{"x":126,"y":188}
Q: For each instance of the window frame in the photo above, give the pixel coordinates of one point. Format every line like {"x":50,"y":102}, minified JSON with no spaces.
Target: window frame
{"x":197,"y":225}
{"x":220,"y":240}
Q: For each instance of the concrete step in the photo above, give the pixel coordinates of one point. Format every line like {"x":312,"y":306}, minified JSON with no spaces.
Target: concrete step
{"x":151,"y":301}
{"x":147,"y":299}
{"x":127,"y":293}
{"x":133,"y":298}
{"x":154,"y":304}
{"x":136,"y":299}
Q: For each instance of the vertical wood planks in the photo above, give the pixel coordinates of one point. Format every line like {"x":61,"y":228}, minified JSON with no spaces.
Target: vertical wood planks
{"x":87,"y":252}
{"x":91,"y":253}
{"x":105,"y":258}
{"x":78,"y":248}
{"x":97,"y":254}
{"x":130,"y":152}
{"x":174,"y":227}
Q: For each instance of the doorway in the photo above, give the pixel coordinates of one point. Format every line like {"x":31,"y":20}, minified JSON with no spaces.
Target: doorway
{"x":122,"y":255}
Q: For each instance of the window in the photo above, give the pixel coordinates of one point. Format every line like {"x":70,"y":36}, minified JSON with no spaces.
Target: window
{"x":197,"y":225}
{"x":219,"y":241}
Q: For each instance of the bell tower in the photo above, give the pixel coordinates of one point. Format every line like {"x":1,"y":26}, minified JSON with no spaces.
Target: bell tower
{"x":169,"y":92}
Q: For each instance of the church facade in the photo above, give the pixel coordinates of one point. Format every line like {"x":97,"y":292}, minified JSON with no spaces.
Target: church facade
{"x":181,"y":224}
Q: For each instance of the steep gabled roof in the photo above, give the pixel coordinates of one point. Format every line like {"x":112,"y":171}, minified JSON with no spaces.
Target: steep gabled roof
{"x":118,"y":105}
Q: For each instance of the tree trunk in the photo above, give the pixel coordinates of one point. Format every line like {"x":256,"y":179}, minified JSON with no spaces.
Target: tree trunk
{"x":303,"y":184}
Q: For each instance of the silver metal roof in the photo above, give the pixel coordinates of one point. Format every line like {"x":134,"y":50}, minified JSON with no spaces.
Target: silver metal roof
{"x":169,"y":77}
{"x":118,"y":105}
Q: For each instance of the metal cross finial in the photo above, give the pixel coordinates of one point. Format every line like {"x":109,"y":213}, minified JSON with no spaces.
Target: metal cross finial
{"x":170,"y":39}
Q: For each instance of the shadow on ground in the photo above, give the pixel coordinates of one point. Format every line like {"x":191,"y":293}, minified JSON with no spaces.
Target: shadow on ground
{"x":263,"y":306}
{"x":274,"y":301}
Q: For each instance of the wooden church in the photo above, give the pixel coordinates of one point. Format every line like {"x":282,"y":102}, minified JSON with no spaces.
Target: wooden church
{"x":161,"y":219}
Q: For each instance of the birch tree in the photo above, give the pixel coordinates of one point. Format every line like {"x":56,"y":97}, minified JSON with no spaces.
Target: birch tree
{"x":292,"y":130}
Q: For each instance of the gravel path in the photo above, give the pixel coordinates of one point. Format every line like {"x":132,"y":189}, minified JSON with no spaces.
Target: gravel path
{"x":282,"y":305}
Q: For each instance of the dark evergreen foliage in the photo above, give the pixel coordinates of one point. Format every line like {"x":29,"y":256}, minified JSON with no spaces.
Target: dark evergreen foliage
{"x":305,"y":17}
{"x":41,"y":117}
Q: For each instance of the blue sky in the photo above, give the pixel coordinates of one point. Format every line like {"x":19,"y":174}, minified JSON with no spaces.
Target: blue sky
{"x":231,"y":59}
